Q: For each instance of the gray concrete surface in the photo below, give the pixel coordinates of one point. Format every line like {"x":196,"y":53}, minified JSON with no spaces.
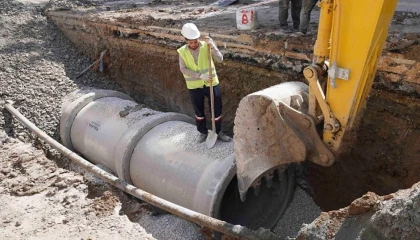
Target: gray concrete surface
{"x":409,"y":6}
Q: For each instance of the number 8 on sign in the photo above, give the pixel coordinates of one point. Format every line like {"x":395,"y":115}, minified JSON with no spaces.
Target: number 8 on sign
{"x":244,"y":18}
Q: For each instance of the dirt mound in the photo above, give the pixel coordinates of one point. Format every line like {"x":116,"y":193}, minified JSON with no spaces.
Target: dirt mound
{"x":395,"y":216}
{"x":105,"y":205}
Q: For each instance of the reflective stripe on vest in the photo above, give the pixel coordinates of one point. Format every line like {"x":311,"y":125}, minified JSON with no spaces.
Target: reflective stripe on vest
{"x":201,"y":66}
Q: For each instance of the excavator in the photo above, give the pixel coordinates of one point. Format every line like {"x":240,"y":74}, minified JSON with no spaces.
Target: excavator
{"x":294,"y":122}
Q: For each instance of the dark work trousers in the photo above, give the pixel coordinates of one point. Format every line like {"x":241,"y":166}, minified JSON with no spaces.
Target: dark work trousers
{"x":305,"y":15}
{"x":197,"y":99}
{"x":284,"y":13}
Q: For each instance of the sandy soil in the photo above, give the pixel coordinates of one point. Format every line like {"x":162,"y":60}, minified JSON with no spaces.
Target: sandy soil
{"x":40,"y":200}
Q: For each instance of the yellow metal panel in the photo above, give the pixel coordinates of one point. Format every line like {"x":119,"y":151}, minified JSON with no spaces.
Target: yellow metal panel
{"x":359,"y":30}
{"x":322,"y":44}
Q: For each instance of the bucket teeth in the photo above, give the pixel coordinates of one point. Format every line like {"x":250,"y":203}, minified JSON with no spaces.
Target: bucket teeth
{"x":269,"y":178}
{"x":242,"y":195}
{"x":269,"y":181}
{"x":257,"y":189}
{"x":280,"y":173}
{"x":257,"y":184}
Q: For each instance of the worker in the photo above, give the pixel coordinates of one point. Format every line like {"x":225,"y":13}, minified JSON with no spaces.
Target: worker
{"x":193,"y":63}
{"x":284,"y":14}
{"x":305,"y":15}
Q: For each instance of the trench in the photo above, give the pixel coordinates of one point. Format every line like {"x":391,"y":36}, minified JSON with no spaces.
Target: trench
{"x":380,"y":160}
{"x":383,"y":158}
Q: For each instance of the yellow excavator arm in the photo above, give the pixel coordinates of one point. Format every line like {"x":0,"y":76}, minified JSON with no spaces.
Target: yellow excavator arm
{"x":358,"y":30}
{"x":280,"y":125}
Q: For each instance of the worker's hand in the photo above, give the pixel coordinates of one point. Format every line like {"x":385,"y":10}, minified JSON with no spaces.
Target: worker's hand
{"x":207,"y":78}
{"x":210,"y":42}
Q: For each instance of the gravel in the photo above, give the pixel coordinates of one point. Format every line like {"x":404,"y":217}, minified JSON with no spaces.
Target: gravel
{"x":174,"y":134}
{"x":302,"y":210}
{"x":38,"y":66}
{"x":174,"y":228}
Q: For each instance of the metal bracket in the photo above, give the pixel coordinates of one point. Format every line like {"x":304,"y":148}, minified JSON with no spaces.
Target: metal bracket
{"x":311,"y":73}
{"x":335,"y":72}
{"x":304,"y":127}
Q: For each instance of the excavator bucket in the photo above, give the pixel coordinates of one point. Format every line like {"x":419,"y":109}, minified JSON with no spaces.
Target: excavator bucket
{"x":271,"y":131}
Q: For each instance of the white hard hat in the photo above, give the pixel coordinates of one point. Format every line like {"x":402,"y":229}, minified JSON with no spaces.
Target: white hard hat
{"x":190,"y":31}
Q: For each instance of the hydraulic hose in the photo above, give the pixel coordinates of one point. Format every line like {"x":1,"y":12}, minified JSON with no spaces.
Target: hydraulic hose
{"x":198,"y":218}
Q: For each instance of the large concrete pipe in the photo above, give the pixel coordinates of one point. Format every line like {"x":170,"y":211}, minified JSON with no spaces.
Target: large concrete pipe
{"x":158,"y":152}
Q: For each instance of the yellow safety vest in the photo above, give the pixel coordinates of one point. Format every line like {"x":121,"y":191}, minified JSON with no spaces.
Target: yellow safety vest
{"x":201,"y":66}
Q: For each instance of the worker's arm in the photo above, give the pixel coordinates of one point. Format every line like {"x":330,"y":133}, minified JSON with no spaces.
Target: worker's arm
{"x":187,"y":71}
{"x":217,"y":55}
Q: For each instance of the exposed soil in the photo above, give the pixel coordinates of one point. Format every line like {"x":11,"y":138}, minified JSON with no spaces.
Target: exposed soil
{"x":40,"y":200}
{"x":394,"y":216}
{"x":383,"y":159}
